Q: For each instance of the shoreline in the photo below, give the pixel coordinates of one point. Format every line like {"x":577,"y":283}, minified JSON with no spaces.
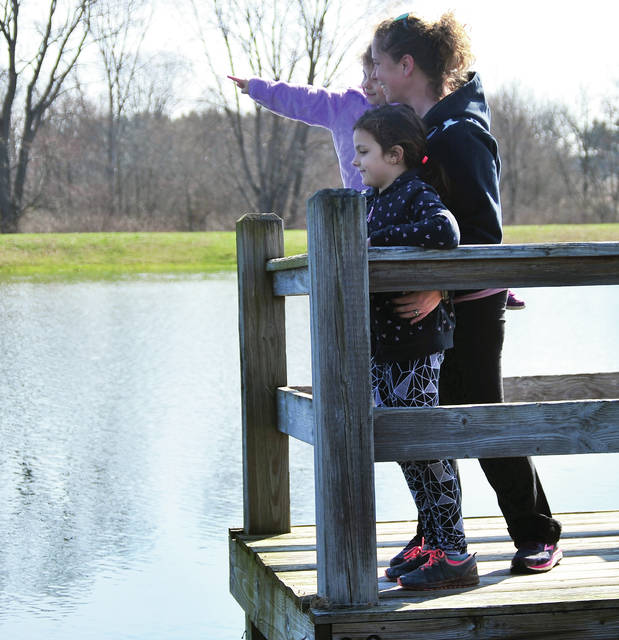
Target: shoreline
{"x":113,"y":256}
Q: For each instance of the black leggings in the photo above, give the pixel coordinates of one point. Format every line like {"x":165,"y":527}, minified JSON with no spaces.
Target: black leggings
{"x":471,"y":374}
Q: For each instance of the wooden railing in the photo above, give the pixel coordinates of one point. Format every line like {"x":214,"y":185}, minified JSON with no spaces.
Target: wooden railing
{"x":336,"y":415}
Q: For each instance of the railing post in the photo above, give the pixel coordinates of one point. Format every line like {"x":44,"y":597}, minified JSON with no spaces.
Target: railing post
{"x":343,"y":441}
{"x":262,"y":335}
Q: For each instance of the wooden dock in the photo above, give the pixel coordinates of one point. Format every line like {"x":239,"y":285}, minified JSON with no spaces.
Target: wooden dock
{"x":577,"y":599}
{"x":323,"y":582}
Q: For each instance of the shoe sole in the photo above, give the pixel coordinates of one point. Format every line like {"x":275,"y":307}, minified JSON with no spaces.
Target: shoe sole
{"x":449,"y":584}
{"x":542,"y":568}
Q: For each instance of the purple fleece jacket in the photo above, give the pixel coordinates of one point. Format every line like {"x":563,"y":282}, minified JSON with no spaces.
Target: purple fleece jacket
{"x":334,"y":110}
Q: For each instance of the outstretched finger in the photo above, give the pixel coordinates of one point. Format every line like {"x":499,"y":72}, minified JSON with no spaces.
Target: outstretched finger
{"x":240,"y":82}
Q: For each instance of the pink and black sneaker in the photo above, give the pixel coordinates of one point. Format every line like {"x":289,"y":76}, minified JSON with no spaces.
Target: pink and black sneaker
{"x":411,"y":559}
{"x":401,"y":557}
{"x":442,"y":572}
{"x":513,"y":302}
{"x":536,"y":557}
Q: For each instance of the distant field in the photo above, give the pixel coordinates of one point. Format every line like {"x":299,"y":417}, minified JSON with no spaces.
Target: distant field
{"x":520,"y":234}
{"x":85,"y":256}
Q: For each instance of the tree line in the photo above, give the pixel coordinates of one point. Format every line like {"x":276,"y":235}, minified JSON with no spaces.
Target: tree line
{"x":125,"y":160}
{"x":177,"y":173}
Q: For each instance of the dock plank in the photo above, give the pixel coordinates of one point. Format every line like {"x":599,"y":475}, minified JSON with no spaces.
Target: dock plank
{"x":591,"y":624}
{"x":578,"y":598}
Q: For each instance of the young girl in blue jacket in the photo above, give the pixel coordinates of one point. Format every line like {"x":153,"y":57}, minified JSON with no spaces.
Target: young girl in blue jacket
{"x":404,"y":210}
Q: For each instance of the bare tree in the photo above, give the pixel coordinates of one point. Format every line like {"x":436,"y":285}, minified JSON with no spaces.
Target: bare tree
{"x":30,"y":85}
{"x":532,"y":157}
{"x":512,"y":126}
{"x":119,"y":28}
{"x":305,"y":40}
{"x":610,"y":155}
{"x":591,"y":150}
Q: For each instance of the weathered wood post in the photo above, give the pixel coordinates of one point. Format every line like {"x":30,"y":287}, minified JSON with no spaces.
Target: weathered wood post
{"x":343,"y":440}
{"x":262,"y":335}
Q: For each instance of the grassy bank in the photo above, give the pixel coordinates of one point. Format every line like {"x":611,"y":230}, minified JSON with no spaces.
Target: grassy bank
{"x":85,"y":256}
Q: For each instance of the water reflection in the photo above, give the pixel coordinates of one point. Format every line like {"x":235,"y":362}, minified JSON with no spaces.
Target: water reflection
{"x":118,"y":423}
{"x":120,"y":449}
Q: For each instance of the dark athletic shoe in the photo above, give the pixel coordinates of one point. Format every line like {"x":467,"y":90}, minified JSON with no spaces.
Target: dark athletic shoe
{"x":441,"y":572}
{"x":514,"y":303}
{"x":413,"y":558}
{"x":536,"y":557}
{"x":400,"y":558}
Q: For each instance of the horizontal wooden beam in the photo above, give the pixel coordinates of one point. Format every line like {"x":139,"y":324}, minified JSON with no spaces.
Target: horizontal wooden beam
{"x":295,"y":413}
{"x":294,"y":282}
{"x":580,"y":386}
{"x":497,"y":430}
{"x":533,"y":427}
{"x":471,"y":252}
{"x":471,"y":267}
{"x":485,"y":273}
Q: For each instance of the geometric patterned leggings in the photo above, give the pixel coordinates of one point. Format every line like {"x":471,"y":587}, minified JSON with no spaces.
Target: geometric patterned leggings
{"x":432,"y":483}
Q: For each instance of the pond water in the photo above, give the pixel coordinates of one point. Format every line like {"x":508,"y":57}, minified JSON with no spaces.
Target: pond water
{"x":120,"y":448}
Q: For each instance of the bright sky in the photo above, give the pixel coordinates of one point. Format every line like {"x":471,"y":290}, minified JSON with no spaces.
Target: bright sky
{"x":552,"y":49}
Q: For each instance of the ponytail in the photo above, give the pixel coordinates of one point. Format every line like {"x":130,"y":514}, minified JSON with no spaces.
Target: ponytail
{"x":398,"y":124}
{"x":433,"y":173}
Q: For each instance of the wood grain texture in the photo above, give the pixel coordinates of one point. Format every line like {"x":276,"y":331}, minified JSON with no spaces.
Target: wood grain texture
{"x":485,"y":272}
{"x":497,"y":430}
{"x":270,"y":607}
{"x":343,"y":438}
{"x":262,"y":336}
{"x":578,"y":599}
{"x":295,"y":413}
{"x":584,"y":386}
{"x":473,"y":267}
{"x":599,"y":624}
{"x":293,"y":282}
{"x":510,"y":429}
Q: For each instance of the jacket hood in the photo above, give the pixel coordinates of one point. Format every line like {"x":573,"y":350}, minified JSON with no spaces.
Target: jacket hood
{"x":469,"y":101}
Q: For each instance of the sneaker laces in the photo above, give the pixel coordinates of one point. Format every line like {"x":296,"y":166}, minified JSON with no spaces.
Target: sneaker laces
{"x":415,"y":551}
{"x":434,"y":556}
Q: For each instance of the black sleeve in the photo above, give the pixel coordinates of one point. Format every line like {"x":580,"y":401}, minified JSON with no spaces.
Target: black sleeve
{"x":469,"y":157}
{"x":430,"y":225}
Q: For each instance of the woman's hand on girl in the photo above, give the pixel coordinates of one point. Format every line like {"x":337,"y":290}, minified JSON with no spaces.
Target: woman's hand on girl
{"x":241,"y":83}
{"x":416,"y":305}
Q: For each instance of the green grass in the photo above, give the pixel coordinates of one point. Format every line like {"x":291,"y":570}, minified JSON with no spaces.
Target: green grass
{"x":93,"y":256}
{"x":525,"y":234}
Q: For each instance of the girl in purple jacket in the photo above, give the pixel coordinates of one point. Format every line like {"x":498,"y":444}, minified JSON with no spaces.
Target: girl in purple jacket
{"x":336,"y":111}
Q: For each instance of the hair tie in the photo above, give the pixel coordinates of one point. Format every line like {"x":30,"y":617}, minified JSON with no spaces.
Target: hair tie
{"x":424,"y":159}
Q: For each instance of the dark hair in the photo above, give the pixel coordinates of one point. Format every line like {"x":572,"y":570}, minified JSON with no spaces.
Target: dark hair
{"x":398,"y":124}
{"x":441,"y":49}
{"x":366,"y":58}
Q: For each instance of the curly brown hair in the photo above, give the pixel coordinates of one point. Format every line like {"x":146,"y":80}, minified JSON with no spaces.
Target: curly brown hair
{"x":441,"y":49}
